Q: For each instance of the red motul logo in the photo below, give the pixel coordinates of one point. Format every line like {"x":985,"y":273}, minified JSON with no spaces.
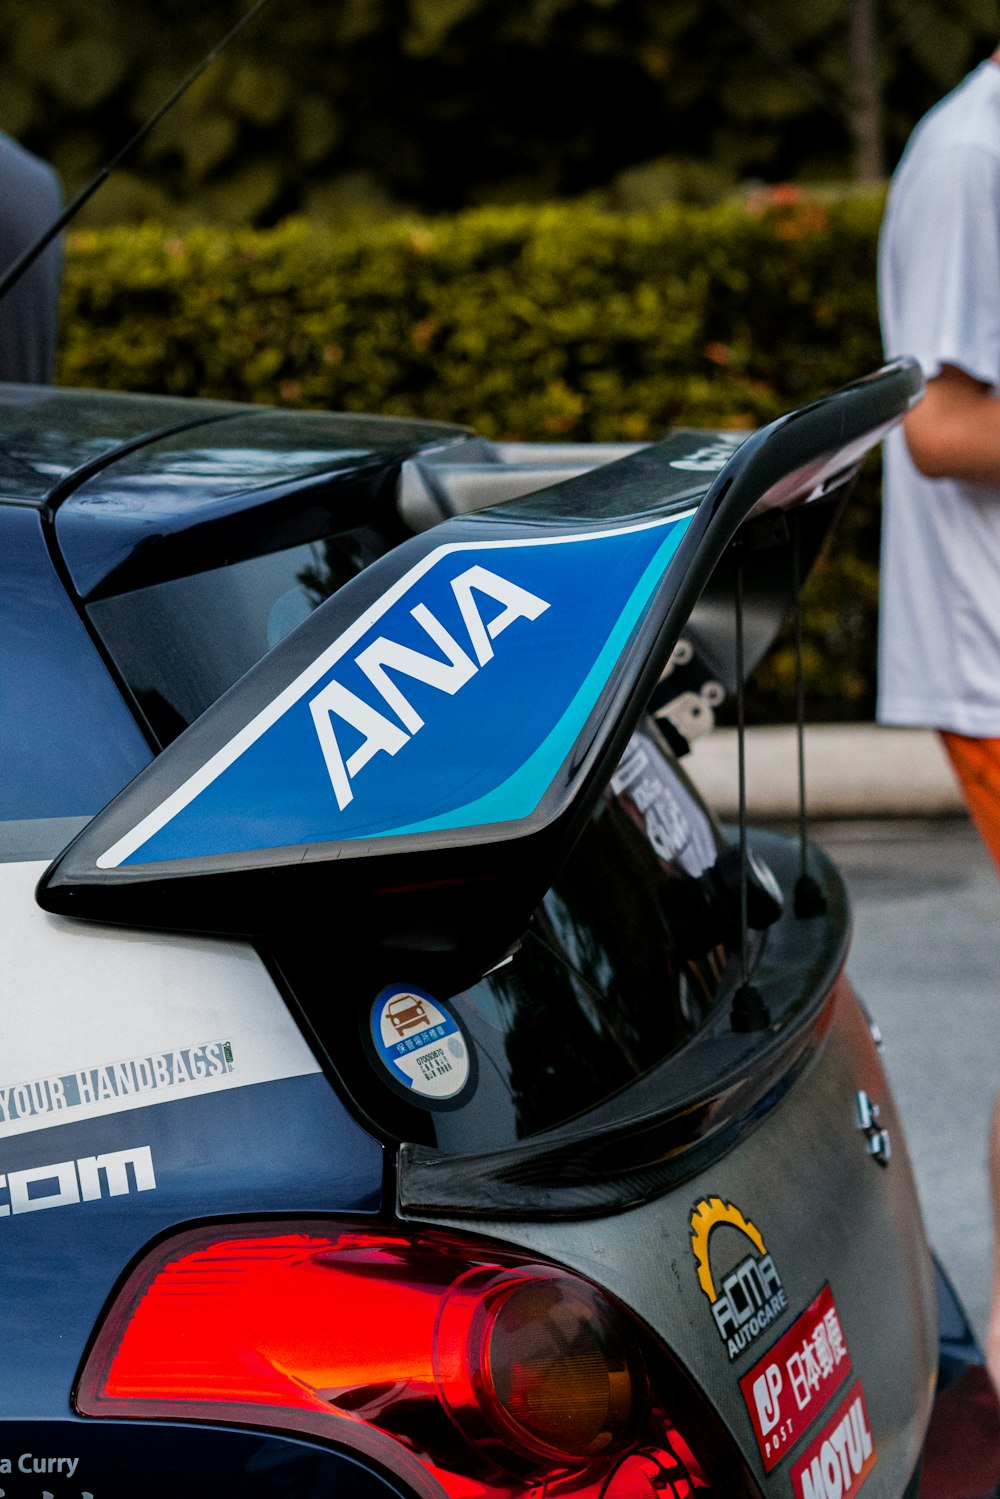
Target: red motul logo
{"x":787,"y":1389}
{"x":841,"y":1457}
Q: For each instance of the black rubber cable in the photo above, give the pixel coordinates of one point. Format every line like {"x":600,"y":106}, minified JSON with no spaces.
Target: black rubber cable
{"x":749,"y":1012}
{"x":809,"y":899}
{"x":16,"y":270}
{"x":742,"y":774}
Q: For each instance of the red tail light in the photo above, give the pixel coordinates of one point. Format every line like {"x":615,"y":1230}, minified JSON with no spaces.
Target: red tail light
{"x":486,"y":1371}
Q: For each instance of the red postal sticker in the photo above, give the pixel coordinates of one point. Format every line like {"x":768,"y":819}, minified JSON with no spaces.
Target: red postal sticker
{"x":837,"y":1462}
{"x":791,"y":1384}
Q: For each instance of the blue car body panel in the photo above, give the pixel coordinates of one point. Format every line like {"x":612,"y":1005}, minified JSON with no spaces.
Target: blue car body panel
{"x":158,"y":1461}
{"x":280,"y":1147}
{"x":67,"y":741}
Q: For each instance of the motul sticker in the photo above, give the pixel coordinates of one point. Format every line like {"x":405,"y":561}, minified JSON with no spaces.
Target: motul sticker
{"x":841,"y":1457}
{"x":792,"y":1383}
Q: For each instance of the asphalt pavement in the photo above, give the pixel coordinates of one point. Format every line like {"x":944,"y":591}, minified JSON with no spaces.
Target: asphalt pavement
{"x":926,"y":960}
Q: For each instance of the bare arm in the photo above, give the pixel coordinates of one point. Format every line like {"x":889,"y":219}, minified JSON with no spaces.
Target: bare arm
{"x":954,"y":433}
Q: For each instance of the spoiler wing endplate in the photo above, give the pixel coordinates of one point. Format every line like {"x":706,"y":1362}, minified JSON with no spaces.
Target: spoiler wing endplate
{"x":416,"y":760}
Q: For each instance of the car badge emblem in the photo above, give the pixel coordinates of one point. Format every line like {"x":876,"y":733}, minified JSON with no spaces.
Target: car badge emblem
{"x":876,"y":1135}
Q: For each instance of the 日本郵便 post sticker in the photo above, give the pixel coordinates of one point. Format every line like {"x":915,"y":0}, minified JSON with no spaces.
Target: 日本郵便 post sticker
{"x":419,"y":1043}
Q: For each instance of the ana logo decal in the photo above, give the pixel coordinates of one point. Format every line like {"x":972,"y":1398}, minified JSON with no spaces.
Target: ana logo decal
{"x":420,"y":1044}
{"x":483,"y":662}
{"x":384,"y":655}
{"x":85,"y":1180}
{"x":736,"y":1273}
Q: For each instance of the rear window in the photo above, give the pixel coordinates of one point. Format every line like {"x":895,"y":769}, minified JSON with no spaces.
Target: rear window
{"x":600,"y":990}
{"x":179,"y":645}
{"x":604,"y":986}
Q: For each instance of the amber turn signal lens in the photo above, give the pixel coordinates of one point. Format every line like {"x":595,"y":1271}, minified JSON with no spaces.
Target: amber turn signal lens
{"x":559,"y":1369}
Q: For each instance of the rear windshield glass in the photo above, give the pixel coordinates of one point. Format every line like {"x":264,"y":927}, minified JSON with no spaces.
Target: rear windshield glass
{"x":613,"y":976}
{"x":179,"y":645}
{"x":600,"y":990}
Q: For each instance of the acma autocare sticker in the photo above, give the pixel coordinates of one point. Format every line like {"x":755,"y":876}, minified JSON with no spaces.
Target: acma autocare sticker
{"x":795,"y":1379}
{"x":419,"y":1043}
{"x":736,"y":1274}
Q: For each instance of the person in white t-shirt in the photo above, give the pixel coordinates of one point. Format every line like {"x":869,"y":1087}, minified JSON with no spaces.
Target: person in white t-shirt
{"x":939,"y":636}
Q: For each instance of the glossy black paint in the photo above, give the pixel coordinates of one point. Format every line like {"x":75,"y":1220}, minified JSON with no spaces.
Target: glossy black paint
{"x":53,"y":438}
{"x":477,"y":885}
{"x":599,"y":990}
{"x":179,"y":644}
{"x":259,"y":481}
{"x":162,"y":1461}
{"x":680,"y":1117}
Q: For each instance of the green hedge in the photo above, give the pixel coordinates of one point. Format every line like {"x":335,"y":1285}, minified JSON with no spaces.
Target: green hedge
{"x":553,"y":323}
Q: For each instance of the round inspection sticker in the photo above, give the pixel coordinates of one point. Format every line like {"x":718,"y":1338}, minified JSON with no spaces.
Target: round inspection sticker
{"x":420,"y":1044}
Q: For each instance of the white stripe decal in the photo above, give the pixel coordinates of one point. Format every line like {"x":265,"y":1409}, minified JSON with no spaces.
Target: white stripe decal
{"x":98,"y":1020}
{"x":230,"y":752}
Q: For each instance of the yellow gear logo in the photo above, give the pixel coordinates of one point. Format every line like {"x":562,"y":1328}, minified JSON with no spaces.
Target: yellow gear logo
{"x":707,"y":1216}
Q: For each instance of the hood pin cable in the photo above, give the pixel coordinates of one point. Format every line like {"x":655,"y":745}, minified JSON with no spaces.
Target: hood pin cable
{"x":17,"y":268}
{"x":749,"y":1012}
{"x":809,"y":899}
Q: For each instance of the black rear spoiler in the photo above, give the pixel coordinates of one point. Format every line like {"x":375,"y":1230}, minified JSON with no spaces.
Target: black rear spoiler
{"x":412,"y":765}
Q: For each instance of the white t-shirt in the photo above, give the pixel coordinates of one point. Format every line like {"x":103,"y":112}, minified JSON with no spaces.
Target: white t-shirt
{"x":939,"y":293}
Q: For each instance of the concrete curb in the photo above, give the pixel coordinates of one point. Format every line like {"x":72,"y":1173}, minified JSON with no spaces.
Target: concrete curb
{"x":852,"y":770}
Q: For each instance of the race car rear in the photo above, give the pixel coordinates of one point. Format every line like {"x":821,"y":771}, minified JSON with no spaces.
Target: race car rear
{"x":429,"y":1098}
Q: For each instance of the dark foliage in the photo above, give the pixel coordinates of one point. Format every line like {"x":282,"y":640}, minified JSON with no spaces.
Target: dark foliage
{"x":523,"y":323}
{"x":348,"y":108}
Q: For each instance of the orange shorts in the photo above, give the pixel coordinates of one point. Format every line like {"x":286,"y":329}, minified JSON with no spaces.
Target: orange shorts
{"x":976,"y":762}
